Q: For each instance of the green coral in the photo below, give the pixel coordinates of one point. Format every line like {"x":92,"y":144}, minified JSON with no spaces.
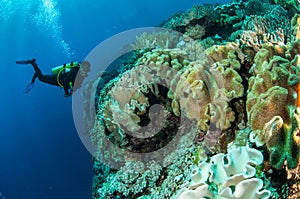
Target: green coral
{"x":283,"y":139}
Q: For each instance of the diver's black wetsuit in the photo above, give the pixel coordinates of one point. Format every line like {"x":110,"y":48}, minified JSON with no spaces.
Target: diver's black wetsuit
{"x":66,"y":79}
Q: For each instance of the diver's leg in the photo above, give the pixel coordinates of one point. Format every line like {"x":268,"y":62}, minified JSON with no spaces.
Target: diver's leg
{"x":49,"y":79}
{"x":37,"y":70}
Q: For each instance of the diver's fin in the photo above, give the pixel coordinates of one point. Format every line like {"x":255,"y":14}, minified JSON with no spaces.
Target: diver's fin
{"x":29,"y":61}
{"x":30,"y":85}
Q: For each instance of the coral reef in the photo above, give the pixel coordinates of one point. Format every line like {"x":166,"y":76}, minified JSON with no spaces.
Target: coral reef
{"x":226,"y":87}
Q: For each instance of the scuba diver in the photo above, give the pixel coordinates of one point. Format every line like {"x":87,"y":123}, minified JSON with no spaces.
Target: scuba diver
{"x":63,"y":76}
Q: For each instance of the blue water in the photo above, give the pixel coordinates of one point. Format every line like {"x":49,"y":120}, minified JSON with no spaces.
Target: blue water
{"x":41,"y":155}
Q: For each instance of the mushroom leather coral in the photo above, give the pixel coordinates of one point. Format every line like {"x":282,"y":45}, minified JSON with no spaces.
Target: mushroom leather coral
{"x":272,"y":101}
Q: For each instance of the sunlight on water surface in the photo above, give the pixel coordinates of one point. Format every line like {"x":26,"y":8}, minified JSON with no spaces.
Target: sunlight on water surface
{"x":43,"y":14}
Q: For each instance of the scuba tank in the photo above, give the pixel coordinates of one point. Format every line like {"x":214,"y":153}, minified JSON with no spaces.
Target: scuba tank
{"x":65,"y":67}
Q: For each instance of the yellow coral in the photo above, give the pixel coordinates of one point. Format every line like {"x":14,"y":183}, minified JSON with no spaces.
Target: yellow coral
{"x":203,"y":93}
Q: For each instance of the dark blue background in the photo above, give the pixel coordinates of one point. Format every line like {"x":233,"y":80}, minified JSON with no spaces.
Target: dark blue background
{"x":41,"y":155}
